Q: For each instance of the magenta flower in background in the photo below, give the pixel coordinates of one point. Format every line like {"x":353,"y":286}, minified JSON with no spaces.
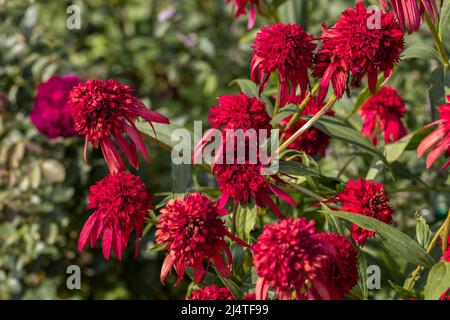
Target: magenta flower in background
{"x":410,"y":12}
{"x":51,"y":112}
{"x":241,"y":8}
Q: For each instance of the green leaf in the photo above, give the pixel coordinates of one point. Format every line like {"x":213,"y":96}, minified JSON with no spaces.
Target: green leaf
{"x":444,"y":19}
{"x":438,"y":281}
{"x":295,"y":168}
{"x":158,"y":247}
{"x":403,"y":292}
{"x":423,"y":231}
{"x":420,"y":51}
{"x":163,"y":135}
{"x":440,"y":78}
{"x":395,"y":241}
{"x":230,"y":284}
{"x":286,"y":111}
{"x":245,"y":220}
{"x":342,"y":131}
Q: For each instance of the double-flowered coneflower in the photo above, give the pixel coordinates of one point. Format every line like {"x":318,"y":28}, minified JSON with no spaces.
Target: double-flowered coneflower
{"x":353,"y":46}
{"x":103,"y":110}
{"x":367,"y":198}
{"x":121,"y":203}
{"x":439,"y":139}
{"x":297,"y":262}
{"x":242,"y":180}
{"x":241,"y":8}
{"x":410,"y":12}
{"x":313,"y":142}
{"x":382,"y":113}
{"x":211,"y":292}
{"x":286,"y":49}
{"x":52,"y":112}
{"x":193,"y":233}
{"x":341,"y":270}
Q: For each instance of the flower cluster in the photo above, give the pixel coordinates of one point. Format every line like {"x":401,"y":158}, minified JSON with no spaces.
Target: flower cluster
{"x":103,"y":110}
{"x":211,"y":292}
{"x":51,"y":112}
{"x":367,"y":198}
{"x":192,"y":232}
{"x":292,"y":258}
{"x":353,"y":47}
{"x":121,"y":203}
{"x":382,"y":113}
{"x":410,"y":12}
{"x":286,"y":49}
{"x":439,"y":139}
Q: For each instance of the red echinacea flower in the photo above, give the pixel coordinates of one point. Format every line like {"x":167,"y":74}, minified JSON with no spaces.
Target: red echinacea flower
{"x":286,"y":49}
{"x":193,"y":233}
{"x":354,"y":47}
{"x":211,"y":292}
{"x":52,"y":112}
{"x":439,"y":139}
{"x":367,"y":198}
{"x":410,"y":12}
{"x":242,"y":9}
{"x":342,"y":269}
{"x":288,"y":257}
{"x":121,"y":203}
{"x":313,"y":142}
{"x":382,"y":113}
{"x":103,"y":110}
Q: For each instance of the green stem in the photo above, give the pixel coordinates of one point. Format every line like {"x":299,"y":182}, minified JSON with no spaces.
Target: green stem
{"x":438,"y":42}
{"x":277,"y":101}
{"x":302,"y":106}
{"x":429,"y":249}
{"x":308,"y":124}
{"x":446,"y":233}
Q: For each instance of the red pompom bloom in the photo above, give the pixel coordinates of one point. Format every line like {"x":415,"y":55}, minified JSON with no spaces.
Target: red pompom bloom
{"x":342,"y":269}
{"x":242,"y":8}
{"x":286,"y":257}
{"x":410,"y":12}
{"x":286,"y":49}
{"x":121,"y":203}
{"x":212,"y":292}
{"x":353,"y":46}
{"x":369,"y":199}
{"x":194,"y":233}
{"x":51,"y":112}
{"x":242,"y":182}
{"x":382,"y":113}
{"x":239,"y":111}
{"x":439,"y":139}
{"x":313,"y":142}
{"x":105,"y":109}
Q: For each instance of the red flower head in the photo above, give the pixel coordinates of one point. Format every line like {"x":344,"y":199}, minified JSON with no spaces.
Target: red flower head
{"x":51,"y":112}
{"x":287,"y":256}
{"x":369,"y":199}
{"x":194,"y":233}
{"x":439,"y":139}
{"x":242,"y":8}
{"x":105,"y":109}
{"x":313,"y":142}
{"x":382,"y":113}
{"x":212,"y":292}
{"x":285,"y":48}
{"x":355,"y":47}
{"x":342,"y":269}
{"x":121,"y":203}
{"x":239,"y":111}
{"x":410,"y":12}
{"x":242,"y":182}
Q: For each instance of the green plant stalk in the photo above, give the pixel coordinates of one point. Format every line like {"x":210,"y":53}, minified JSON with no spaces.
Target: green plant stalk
{"x":308,"y":124}
{"x":438,"y":42}
{"x":277,"y":101}
{"x":302,"y":106}
{"x":446,"y":233}
{"x":429,"y":249}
